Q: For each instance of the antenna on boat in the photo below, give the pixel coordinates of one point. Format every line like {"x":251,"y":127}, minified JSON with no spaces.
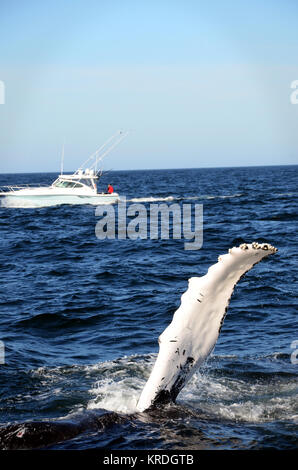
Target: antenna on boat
{"x":62,"y":159}
{"x":121,"y":136}
{"x":97,"y":156}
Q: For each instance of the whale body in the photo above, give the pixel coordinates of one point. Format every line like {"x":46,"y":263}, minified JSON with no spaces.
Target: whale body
{"x":39,"y":434}
{"x":193,"y":332}
{"x":183,"y":347}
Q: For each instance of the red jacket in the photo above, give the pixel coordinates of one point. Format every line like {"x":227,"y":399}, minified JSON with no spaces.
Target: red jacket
{"x":110,"y":189}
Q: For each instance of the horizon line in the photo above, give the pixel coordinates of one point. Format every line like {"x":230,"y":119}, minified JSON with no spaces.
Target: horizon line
{"x":157,"y":169}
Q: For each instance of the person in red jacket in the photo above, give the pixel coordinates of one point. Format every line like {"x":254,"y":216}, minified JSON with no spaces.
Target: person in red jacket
{"x":110,"y":189}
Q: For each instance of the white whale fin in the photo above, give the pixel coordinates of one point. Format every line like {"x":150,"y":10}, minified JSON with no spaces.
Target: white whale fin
{"x":193,"y":332}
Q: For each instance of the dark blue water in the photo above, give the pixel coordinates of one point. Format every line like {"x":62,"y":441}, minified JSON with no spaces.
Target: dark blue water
{"x":80,"y":317}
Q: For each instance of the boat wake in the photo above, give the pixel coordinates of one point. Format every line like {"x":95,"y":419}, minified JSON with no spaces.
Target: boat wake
{"x":152,"y":199}
{"x":172,"y":198}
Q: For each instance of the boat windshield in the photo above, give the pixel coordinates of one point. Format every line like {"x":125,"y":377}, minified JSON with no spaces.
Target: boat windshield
{"x":67,"y":184}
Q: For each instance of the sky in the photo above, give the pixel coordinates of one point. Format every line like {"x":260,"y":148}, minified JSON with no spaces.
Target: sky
{"x":197,"y":83}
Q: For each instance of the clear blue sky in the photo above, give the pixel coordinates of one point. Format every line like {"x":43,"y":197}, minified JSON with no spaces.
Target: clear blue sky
{"x":200,"y":83}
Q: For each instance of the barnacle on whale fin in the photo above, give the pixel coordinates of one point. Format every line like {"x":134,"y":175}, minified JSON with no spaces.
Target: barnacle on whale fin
{"x":243,"y":246}
{"x":260,"y":246}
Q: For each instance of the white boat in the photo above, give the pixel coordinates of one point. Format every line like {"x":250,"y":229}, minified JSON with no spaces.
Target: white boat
{"x":77,"y":188}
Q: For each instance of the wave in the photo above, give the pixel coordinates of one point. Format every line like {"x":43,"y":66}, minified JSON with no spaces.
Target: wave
{"x":115,"y":385}
{"x":111,"y":390}
{"x":258,"y":397}
{"x":236,"y":399}
{"x":51,"y":322}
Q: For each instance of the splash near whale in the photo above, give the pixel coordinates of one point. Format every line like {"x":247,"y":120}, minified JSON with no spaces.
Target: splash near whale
{"x":184,"y":346}
{"x":193,"y":332}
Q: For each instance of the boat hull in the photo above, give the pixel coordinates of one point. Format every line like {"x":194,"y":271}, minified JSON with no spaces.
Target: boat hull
{"x":23,"y":200}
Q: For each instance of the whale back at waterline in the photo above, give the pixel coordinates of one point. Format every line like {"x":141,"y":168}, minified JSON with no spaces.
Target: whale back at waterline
{"x":193,"y":332}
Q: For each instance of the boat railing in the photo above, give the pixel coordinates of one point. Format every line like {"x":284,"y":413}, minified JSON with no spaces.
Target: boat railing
{"x":12,"y":188}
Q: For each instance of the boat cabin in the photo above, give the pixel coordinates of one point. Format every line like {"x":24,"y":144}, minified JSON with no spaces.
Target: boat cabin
{"x":79,"y":179}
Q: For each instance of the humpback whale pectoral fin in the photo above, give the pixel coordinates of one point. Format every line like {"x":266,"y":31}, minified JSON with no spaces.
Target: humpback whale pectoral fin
{"x":164,"y":396}
{"x":193,"y":332}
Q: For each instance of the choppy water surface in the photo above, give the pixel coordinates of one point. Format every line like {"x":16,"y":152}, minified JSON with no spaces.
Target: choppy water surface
{"x":80,"y":317}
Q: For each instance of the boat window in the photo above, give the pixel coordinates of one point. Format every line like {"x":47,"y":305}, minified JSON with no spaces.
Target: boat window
{"x":60,"y":184}
{"x":67,"y":184}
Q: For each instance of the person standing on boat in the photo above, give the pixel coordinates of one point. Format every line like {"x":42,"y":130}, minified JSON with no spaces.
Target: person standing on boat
{"x":110,"y":189}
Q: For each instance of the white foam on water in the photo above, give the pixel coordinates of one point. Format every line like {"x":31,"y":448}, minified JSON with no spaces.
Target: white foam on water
{"x":236,"y":399}
{"x":121,"y":396}
{"x":119,"y":387}
{"x":184,"y":198}
{"x":151,"y":199}
{"x":116,"y":386}
{"x":218,"y":397}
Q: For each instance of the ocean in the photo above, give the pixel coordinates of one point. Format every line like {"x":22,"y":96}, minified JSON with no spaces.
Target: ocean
{"x":80,"y":317}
